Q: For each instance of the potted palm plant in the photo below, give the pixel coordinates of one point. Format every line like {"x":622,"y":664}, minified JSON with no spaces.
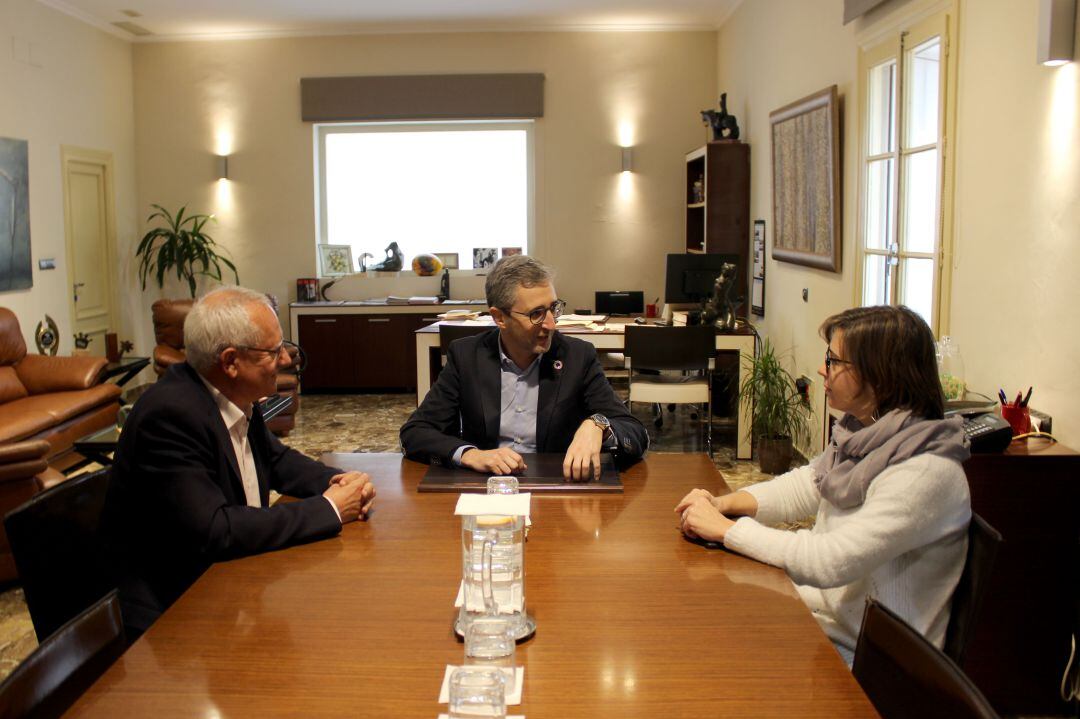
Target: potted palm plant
{"x":180,"y":245}
{"x":779,"y":417}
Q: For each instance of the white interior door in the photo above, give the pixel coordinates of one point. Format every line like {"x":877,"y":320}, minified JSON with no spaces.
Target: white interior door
{"x":89,"y":226}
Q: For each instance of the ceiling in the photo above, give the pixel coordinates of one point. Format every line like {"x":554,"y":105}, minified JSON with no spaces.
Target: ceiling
{"x":223,"y":19}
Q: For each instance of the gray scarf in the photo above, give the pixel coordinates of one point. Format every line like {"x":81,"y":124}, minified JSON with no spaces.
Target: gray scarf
{"x":856,"y":455}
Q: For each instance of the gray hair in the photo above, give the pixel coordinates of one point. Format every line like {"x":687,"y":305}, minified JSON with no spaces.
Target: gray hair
{"x":219,"y":319}
{"x":512,"y":272}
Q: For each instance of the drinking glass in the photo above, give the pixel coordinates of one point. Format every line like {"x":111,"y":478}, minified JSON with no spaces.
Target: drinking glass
{"x":489,"y":642}
{"x":477,"y":691}
{"x":502,"y":485}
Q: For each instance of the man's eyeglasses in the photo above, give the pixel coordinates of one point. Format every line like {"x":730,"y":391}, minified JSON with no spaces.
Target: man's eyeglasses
{"x":830,"y":360}
{"x":538,"y":315}
{"x":272,"y":351}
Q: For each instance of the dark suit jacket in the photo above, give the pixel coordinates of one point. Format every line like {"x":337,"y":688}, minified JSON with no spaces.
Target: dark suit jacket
{"x":463,"y":406}
{"x":176,"y":502}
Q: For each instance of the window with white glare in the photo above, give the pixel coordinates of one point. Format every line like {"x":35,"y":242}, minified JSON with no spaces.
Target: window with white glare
{"x":431,"y":188}
{"x":902,"y":221}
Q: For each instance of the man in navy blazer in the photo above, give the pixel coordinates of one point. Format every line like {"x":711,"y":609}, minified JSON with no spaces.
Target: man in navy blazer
{"x":522,"y":389}
{"x":195,"y":464}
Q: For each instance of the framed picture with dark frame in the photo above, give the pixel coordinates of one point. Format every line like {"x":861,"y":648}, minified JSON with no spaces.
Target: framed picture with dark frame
{"x":806,"y":181}
{"x":757,"y":280}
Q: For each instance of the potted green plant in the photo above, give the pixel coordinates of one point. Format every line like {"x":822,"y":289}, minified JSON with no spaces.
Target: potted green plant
{"x":182,"y":246}
{"x":779,"y":417}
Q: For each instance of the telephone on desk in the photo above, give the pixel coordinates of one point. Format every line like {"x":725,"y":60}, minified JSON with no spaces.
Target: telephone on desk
{"x":987,"y":433}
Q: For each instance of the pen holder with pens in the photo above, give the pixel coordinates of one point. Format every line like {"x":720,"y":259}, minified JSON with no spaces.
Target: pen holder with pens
{"x":1018,"y":416}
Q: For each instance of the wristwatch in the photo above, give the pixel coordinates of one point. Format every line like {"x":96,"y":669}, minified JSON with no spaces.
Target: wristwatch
{"x":602,"y":422}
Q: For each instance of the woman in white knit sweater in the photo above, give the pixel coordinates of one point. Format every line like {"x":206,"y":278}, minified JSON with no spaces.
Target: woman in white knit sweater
{"x":889,"y":491}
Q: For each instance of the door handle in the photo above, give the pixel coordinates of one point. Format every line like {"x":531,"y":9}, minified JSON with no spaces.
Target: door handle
{"x":75,"y":289}
{"x":378,"y":319}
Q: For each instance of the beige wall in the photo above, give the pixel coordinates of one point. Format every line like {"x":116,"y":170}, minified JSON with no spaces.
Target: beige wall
{"x":596,"y":235}
{"x":75,"y":90}
{"x":1017,"y":221}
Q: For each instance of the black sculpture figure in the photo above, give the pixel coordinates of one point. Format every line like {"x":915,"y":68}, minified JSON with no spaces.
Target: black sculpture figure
{"x":395,"y":260}
{"x":719,"y":311}
{"x":721,"y":122}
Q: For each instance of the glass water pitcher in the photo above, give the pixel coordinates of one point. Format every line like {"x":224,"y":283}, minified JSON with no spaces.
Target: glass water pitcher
{"x":493,"y":571}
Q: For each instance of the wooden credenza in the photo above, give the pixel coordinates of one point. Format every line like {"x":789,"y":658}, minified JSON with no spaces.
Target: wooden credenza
{"x":1031,"y":494}
{"x":352,"y":347}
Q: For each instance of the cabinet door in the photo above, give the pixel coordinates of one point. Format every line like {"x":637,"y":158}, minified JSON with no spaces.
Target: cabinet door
{"x":380,"y":351}
{"x":330,"y":344}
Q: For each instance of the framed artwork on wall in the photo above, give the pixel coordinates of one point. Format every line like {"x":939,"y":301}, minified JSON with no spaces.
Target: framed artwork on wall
{"x":484,"y":257}
{"x":335,"y":260}
{"x":757,"y":280}
{"x":449,"y":259}
{"x":806,"y":181}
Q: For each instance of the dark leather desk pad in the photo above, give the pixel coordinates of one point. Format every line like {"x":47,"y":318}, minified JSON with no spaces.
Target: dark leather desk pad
{"x":543,"y":473}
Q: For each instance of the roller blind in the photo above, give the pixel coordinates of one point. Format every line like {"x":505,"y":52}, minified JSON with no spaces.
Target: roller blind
{"x":421,"y":97}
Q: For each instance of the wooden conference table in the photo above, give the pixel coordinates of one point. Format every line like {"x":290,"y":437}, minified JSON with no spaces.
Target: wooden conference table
{"x":610,"y":339}
{"x":632,"y":620}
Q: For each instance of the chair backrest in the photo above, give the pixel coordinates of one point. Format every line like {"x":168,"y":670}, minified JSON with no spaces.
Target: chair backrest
{"x":448,"y":333}
{"x":64,"y":666}
{"x":58,"y":551}
{"x":983,"y":542}
{"x":670,"y":348}
{"x":906,"y":676}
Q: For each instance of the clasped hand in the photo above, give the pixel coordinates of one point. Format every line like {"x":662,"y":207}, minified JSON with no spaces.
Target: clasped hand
{"x":352,"y":493}
{"x":700,"y":516}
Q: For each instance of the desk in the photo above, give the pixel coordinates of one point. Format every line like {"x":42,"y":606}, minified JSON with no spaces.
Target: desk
{"x":633,"y":621}
{"x":427,"y":353}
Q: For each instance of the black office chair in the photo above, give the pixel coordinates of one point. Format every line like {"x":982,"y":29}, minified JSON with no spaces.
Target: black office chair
{"x":905,"y":676}
{"x":448,"y":333}
{"x":58,"y":552}
{"x":64,"y":666}
{"x":689,"y":350}
{"x":983,"y":542}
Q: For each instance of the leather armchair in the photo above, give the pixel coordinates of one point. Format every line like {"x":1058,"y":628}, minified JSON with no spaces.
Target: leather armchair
{"x":169,"y":316}
{"x":24,"y":471}
{"x":56,"y":399}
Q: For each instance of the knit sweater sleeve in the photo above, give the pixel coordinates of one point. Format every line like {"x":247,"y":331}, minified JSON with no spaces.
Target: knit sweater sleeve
{"x":790,"y":496}
{"x":909,"y":505}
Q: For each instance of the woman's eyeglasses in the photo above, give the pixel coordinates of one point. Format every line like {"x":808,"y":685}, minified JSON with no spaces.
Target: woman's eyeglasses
{"x":830,"y":360}
{"x":538,"y":315}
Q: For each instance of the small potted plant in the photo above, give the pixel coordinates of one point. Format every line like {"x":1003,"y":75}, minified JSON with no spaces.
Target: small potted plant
{"x":182,"y":247}
{"x":779,"y":417}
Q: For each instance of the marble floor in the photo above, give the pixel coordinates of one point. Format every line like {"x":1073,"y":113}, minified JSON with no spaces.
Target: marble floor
{"x":369,"y":423}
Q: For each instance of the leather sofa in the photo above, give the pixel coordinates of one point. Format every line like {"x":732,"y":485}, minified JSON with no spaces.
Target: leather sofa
{"x":169,"y":316}
{"x":56,"y":399}
{"x":24,"y":471}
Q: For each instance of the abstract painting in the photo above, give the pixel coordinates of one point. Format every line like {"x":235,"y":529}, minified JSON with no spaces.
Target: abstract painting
{"x":15,"y":271}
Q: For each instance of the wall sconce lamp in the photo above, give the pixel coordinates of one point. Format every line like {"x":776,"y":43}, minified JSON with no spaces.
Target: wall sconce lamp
{"x":221,"y":167}
{"x":628,"y":159}
{"x":1057,"y":30}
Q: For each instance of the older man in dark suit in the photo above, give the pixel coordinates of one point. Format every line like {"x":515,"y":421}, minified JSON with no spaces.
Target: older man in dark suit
{"x":195,"y":463}
{"x":522,"y":389}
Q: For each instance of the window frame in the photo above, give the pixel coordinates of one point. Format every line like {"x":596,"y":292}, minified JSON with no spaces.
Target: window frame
{"x":896,"y":44}
{"x":322,"y":130}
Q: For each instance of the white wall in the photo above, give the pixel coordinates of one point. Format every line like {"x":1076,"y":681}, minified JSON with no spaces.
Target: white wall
{"x":65,"y":83}
{"x":597,"y":232}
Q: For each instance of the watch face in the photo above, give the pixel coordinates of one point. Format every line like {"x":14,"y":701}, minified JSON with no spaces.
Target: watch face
{"x":47,"y":338}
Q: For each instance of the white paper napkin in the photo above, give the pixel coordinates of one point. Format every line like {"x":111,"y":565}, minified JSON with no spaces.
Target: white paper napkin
{"x":511,"y":505}
{"x":511,"y":698}
{"x":508,"y":716}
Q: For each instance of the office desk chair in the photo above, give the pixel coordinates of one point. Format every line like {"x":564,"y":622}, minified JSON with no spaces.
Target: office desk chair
{"x":58,"y":552}
{"x":688,"y":350}
{"x":983,"y":542}
{"x":906,"y":676}
{"x":64,"y":666}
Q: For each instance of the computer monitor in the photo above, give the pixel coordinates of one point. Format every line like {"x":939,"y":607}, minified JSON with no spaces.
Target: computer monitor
{"x":620,"y":302}
{"x":690,"y":277}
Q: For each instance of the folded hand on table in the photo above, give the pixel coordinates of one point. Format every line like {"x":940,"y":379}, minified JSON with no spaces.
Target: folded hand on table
{"x":352,"y":493}
{"x":493,"y":461}
{"x":582,"y":462}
